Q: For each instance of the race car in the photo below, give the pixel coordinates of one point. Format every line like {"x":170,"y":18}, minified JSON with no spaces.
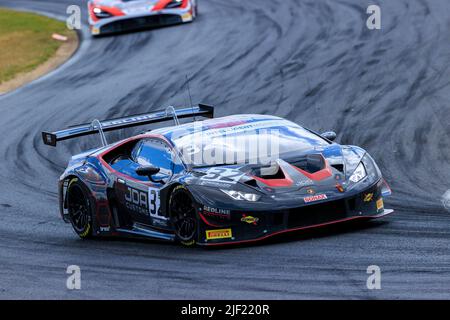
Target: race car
{"x":112,"y":16}
{"x":219,"y":181}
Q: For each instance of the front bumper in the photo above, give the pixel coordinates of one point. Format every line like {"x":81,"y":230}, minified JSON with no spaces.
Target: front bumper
{"x":241,"y":226}
{"x":137,"y":22}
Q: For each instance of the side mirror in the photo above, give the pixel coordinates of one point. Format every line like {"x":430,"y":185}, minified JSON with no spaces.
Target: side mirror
{"x":147,"y":171}
{"x":330,"y":135}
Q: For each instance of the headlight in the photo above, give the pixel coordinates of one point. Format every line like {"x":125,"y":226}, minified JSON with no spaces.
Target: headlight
{"x":238,"y":195}
{"x":359,"y":173}
{"x":99,"y":13}
{"x":174,"y":4}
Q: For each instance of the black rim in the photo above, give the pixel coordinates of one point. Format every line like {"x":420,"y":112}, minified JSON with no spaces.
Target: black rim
{"x":183,"y":215}
{"x":78,"y":209}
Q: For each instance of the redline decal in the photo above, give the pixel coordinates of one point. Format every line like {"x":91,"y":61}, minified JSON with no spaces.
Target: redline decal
{"x":216,"y":212}
{"x":316,"y":197}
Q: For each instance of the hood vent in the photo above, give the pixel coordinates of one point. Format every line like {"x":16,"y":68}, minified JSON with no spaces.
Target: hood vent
{"x":272,"y":176}
{"x":338,"y":167}
{"x":269,"y":172}
{"x":310,"y":163}
{"x":252,"y":183}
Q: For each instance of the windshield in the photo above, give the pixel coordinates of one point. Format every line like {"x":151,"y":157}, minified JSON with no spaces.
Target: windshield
{"x":260,"y":143}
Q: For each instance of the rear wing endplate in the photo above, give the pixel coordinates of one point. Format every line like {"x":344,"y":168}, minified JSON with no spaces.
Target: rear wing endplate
{"x":202,"y":110}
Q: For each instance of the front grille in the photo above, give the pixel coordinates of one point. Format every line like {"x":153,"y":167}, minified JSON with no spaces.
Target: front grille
{"x":141,"y":22}
{"x":278,"y":218}
{"x":317,"y":214}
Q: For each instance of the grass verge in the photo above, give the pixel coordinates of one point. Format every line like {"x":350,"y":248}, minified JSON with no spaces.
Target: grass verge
{"x":26,"y":43}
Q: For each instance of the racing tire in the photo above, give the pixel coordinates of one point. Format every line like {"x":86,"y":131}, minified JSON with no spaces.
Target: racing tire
{"x":80,"y":209}
{"x":183,"y":214}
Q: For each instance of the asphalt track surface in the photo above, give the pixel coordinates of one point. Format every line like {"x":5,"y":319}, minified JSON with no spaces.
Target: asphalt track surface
{"x":311,"y":61}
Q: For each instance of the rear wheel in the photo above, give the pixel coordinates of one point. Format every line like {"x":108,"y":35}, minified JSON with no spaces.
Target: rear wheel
{"x":80,"y":212}
{"x":182,"y":212}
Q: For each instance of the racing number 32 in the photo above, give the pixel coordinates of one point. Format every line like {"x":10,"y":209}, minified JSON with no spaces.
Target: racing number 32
{"x":223,"y":174}
{"x":154,"y":202}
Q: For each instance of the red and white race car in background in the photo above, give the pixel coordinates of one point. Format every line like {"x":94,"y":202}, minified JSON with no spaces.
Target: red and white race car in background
{"x":110,"y":16}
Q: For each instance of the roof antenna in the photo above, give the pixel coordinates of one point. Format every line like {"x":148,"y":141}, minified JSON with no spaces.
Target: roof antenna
{"x":190,"y":97}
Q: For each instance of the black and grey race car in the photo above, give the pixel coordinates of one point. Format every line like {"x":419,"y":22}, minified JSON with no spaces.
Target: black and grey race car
{"x":228,"y":180}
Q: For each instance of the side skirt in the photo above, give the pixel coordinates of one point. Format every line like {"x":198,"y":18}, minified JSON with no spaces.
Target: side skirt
{"x":141,"y":231}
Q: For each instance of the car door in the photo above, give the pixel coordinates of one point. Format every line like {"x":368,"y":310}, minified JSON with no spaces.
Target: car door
{"x":140,"y":196}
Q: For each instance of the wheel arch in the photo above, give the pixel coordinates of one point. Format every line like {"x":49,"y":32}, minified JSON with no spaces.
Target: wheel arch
{"x":168,"y":193}
{"x":195,"y":205}
{"x":98,"y":198}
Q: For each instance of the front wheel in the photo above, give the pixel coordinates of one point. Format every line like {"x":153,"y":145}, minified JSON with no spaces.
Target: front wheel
{"x":182,"y":212}
{"x":79,"y":206}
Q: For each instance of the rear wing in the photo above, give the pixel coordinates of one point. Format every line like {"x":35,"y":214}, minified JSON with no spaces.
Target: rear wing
{"x":202,"y":110}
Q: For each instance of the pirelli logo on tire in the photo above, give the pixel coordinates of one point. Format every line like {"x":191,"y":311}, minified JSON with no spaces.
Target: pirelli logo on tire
{"x":218,"y":234}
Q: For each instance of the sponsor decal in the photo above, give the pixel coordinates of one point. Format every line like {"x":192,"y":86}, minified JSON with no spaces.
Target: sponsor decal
{"x":223,"y":175}
{"x":214,"y":184}
{"x":105,"y":229}
{"x":131,"y":119}
{"x":87,"y":231}
{"x":304,"y":183}
{"x":314,"y":198}
{"x":216,"y":212}
{"x":218,"y":234}
{"x":188,"y":243}
{"x":90,"y":174}
{"x":226,"y":124}
{"x":368,"y":197}
{"x":186,"y":17}
{"x":249,"y":219}
{"x":154,"y":203}
{"x":136,"y":200}
{"x":158,"y":222}
{"x":64,"y":191}
{"x":137,"y":8}
{"x":380,"y":204}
